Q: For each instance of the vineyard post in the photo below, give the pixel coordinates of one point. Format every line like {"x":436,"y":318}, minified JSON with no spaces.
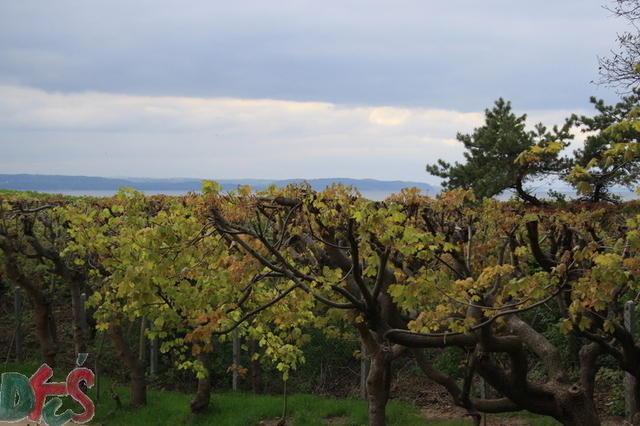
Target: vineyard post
{"x":483,"y":394}
{"x":256,"y":386}
{"x":83,"y":313}
{"x":629,"y":381}
{"x":142,"y":342}
{"x":236,"y":360}
{"x":153,"y":357}
{"x":365,"y":364}
{"x":17,"y":306}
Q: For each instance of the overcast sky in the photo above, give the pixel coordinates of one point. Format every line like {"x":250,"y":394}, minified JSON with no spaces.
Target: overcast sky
{"x":281,"y":89}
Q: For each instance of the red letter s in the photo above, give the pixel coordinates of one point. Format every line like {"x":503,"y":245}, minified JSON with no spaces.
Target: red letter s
{"x":74,"y":378}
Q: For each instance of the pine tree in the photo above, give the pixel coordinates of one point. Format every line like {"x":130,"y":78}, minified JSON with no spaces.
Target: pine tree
{"x":503,"y":155}
{"x":610,"y":155}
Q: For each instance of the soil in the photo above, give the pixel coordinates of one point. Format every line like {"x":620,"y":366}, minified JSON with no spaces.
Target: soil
{"x":435,"y":403}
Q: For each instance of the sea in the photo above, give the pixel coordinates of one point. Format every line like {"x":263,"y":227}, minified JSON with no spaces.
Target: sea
{"x":376,"y":195}
{"x":371,"y":195}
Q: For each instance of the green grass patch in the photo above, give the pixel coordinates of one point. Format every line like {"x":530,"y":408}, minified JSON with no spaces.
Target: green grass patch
{"x":26,"y":368}
{"x":241,"y":409}
{"x":225,"y":409}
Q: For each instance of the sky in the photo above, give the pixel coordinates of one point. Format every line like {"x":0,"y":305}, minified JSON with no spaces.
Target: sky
{"x":282,"y":89}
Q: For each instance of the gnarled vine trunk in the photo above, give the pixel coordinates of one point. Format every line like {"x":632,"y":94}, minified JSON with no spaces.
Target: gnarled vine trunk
{"x":378,"y":386}
{"x":46,"y":331}
{"x":200,"y":401}
{"x":138,"y":382}
{"x":43,"y":314}
{"x":379,"y":378}
{"x":575,"y":408}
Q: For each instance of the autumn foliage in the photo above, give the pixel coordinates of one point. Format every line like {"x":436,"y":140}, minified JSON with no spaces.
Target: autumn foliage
{"x":408,"y":275}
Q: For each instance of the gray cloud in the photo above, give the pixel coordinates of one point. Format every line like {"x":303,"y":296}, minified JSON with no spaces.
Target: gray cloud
{"x":129,"y":135}
{"x":357,"y":88}
{"x":461,"y":55}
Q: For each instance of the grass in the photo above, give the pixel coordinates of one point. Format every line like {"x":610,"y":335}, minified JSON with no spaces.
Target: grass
{"x":241,"y":409}
{"x":226,"y":409}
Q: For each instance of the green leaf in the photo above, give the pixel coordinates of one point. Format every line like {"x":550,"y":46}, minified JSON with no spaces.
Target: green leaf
{"x":211,"y":187}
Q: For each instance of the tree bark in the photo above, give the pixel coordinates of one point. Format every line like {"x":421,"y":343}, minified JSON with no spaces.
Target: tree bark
{"x":525,"y":195}
{"x":136,"y":370}
{"x":575,"y":408}
{"x":588,"y":366}
{"x":379,"y":378}
{"x":46,"y":330}
{"x":73,"y":279}
{"x":378,"y":384}
{"x":569,"y":404}
{"x":200,"y":401}
{"x":43,"y":314}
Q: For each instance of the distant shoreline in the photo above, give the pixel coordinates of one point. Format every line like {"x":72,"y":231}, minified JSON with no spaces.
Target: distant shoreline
{"x":61,"y":183}
{"x":372,"y":195}
{"x":106,"y":187}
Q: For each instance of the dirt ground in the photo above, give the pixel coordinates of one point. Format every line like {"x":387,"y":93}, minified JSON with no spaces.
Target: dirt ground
{"x":435,"y":403}
{"x":453,"y":413}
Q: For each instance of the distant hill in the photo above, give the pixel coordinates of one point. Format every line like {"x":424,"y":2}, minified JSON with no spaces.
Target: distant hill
{"x":49,"y":183}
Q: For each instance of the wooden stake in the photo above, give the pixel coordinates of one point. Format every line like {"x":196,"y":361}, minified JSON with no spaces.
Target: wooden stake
{"x":630,"y":402}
